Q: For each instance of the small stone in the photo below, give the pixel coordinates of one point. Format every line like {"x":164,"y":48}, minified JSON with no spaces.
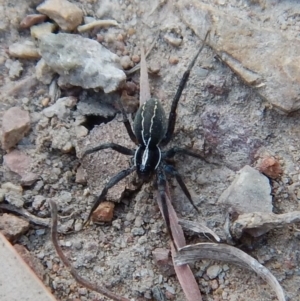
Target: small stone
{"x":173,"y":60}
{"x":78,"y":245}
{"x":15,"y":124}
{"x":104,"y":212}
{"x":33,"y":19}
{"x":97,"y":24}
{"x":29,"y":178}
{"x":214,"y":284}
{"x":154,"y":68}
{"x":43,"y":72}
{"x":136,"y":58}
{"x":15,"y":68}
{"x":61,"y":140}
{"x":38,"y":202}
{"x":10,"y":187}
{"x":61,"y":108}
{"x":126,"y":62}
{"x":249,"y":192}
{"x":14,"y":199}
{"x":173,"y":41}
{"x":270,"y":167}
{"x":17,"y":162}
{"x":66,"y":14}
{"x":24,"y":50}
{"x":12,"y":227}
{"x":42,"y":29}
{"x":80,"y":176}
{"x":81,"y":131}
{"x":213,"y":271}
{"x":138,"y":231}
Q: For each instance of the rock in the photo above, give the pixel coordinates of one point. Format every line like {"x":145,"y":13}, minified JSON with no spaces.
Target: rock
{"x":29,"y":178}
{"x":82,"y":62}
{"x":17,"y":162}
{"x":163,"y":260}
{"x":12,"y":227}
{"x":213,"y":271}
{"x":61,"y":139}
{"x":66,"y":14}
{"x":8,"y":186}
{"x":104,"y":212}
{"x":33,"y":19}
{"x":42,"y":29}
{"x":15,"y":68}
{"x":80,"y":176}
{"x":14,"y":199}
{"x":15,"y":124}
{"x":81,"y":131}
{"x":61,"y":108}
{"x":173,"y":41}
{"x":126,"y":62}
{"x":43,"y":72}
{"x":249,"y":192}
{"x":263,"y":56}
{"x":24,"y":50}
{"x":31,"y":261}
{"x":270,"y":167}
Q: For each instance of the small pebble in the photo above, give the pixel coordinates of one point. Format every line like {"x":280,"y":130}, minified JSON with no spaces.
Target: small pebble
{"x":126,"y":62}
{"x":213,"y":271}
{"x":173,"y":60}
{"x":136,"y":58}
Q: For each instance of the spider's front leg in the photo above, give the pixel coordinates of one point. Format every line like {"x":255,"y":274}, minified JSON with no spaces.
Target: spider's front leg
{"x":112,"y":182}
{"x":183,"y":81}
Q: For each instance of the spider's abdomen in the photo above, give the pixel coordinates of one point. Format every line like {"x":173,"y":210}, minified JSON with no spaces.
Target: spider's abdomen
{"x":150,"y":124}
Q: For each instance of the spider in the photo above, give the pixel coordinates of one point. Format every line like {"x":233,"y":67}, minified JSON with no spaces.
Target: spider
{"x":151,"y":131}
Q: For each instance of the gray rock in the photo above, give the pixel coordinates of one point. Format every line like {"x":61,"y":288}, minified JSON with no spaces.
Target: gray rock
{"x":82,"y":62}
{"x":14,"y":199}
{"x":213,"y":271}
{"x":261,"y":55}
{"x":43,"y":72}
{"x":249,"y":192}
{"x":15,"y":124}
{"x":61,"y":108}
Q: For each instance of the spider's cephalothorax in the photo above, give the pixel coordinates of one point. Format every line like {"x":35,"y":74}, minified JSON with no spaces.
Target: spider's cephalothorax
{"x":151,"y":130}
{"x":150,"y":126}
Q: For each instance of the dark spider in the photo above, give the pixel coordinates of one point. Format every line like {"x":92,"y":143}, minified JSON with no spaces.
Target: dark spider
{"x":151,"y":131}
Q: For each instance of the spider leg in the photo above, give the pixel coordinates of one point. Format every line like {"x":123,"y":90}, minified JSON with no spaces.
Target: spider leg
{"x":127,"y":124}
{"x":112,"y":182}
{"x":183,"y":81}
{"x":119,"y":148}
{"x":161,"y":186}
{"x":172,"y":171}
{"x":178,"y":150}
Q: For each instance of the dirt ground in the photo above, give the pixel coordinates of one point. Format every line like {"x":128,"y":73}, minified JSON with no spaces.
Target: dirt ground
{"x":218,"y":111}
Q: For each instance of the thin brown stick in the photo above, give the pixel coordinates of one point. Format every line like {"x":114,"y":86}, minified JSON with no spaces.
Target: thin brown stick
{"x":101,"y":290}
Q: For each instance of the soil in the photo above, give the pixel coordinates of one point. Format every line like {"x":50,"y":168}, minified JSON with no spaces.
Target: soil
{"x":217,"y":113}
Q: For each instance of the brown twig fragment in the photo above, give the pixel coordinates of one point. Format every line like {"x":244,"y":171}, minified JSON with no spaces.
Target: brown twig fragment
{"x":101,"y":290}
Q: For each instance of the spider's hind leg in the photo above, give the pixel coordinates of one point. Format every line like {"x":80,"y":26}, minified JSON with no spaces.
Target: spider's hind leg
{"x":112,"y":182}
{"x":173,"y":172}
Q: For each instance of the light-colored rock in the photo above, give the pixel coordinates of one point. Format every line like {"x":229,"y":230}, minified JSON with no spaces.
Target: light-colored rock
{"x":249,"y":192}
{"x":104,"y":212}
{"x":39,"y":30}
{"x":61,"y":108}
{"x":262,"y":56}
{"x":24,"y":50}
{"x":61,"y":139}
{"x":33,"y":19}
{"x":66,"y":14}
{"x":43,"y":72}
{"x":17,"y":162}
{"x":15,"y":124}
{"x":12,"y":226}
{"x":15,"y":68}
{"x":82,"y":62}
{"x":213,"y":271}
{"x":8,"y":186}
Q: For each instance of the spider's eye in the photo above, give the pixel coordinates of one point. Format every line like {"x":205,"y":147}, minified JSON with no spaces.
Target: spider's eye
{"x":147,"y":160}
